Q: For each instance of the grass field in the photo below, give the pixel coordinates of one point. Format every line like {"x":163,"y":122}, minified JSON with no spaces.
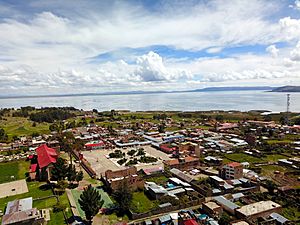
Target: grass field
{"x":36,"y":192}
{"x":16,"y":169}
{"x":107,"y":201}
{"x":21,"y":126}
{"x":158,"y":180}
{"x":269,"y":170}
{"x":241,"y":157}
{"x":274,"y":157}
{"x":141,"y":203}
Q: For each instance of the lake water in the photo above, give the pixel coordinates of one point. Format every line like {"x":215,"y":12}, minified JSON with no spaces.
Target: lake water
{"x":202,"y":101}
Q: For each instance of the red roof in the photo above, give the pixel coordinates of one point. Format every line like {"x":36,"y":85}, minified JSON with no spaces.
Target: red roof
{"x":33,"y":168}
{"x":167,"y":148}
{"x":94,"y":144}
{"x":190,"y":222}
{"x":234,"y":164}
{"x":46,"y":155}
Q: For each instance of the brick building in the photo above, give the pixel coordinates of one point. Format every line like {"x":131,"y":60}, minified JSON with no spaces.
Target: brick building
{"x":232,"y":170}
{"x":186,"y":163}
{"x":113,"y":179}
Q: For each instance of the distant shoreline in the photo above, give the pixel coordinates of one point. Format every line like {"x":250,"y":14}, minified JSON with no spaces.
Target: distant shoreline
{"x":209,"y":89}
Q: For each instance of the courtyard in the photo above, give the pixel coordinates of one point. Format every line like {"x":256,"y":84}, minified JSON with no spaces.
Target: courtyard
{"x":100,"y":161}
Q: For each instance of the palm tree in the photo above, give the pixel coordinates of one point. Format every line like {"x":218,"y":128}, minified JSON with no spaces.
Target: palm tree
{"x":90,"y":202}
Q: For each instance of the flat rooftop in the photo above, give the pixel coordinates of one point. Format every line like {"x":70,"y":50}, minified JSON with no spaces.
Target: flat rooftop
{"x":212,"y":205}
{"x":257,"y":207}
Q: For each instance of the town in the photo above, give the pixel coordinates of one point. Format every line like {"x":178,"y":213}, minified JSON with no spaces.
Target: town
{"x":69,"y":166}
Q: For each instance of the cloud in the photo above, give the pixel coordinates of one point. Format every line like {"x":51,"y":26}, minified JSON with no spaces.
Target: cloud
{"x":272,"y":50}
{"x":295,"y":53}
{"x":151,"y":68}
{"x":290,"y":28}
{"x":47,"y":46}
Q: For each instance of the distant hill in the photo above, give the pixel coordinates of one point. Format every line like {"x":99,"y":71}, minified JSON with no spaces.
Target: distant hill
{"x":253,"y":88}
{"x":287,"y":89}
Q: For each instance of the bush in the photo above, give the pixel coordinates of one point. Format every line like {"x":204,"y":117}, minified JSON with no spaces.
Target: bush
{"x":131,"y":152}
{"x":58,"y":207}
{"x":116,"y":154}
{"x":121,"y":161}
{"x":148,"y":159}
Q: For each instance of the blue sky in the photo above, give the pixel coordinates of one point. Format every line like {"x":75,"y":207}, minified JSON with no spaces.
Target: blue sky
{"x":78,"y":46}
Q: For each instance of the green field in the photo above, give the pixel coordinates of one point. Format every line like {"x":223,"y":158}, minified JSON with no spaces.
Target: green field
{"x":21,"y":126}
{"x":158,"y":180}
{"x":16,"y":169}
{"x":141,"y":203}
{"x":241,"y":157}
{"x":36,"y":191}
{"x":274,"y":157}
{"x":107,"y":201}
{"x":275,"y":141}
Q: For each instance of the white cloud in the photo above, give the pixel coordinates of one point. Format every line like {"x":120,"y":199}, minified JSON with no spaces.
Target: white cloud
{"x":272,"y":50}
{"x":295,"y":53}
{"x":52,"y":47}
{"x":151,"y":68}
{"x":290,"y":28}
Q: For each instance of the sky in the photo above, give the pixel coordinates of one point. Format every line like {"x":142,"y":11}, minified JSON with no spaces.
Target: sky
{"x":80,"y":46}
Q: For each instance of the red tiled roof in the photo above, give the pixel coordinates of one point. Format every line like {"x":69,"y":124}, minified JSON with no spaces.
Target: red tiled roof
{"x":172,"y":162}
{"x":190,"y":159}
{"x":234,"y":164}
{"x":46,"y":155}
{"x":190,"y":222}
{"x":33,"y":168}
{"x":94,"y":144}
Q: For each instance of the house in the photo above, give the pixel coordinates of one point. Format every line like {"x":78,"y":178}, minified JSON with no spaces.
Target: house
{"x":113,"y":179}
{"x":212,"y":209}
{"x":20,"y":212}
{"x":186,"y":163}
{"x":279,"y":218}
{"x":258,"y":209}
{"x":226,"y":204}
{"x":94,"y":145}
{"x":167,"y":148}
{"x":155,"y":191}
{"x":45,"y":157}
{"x":190,"y":148}
{"x":232,"y":170}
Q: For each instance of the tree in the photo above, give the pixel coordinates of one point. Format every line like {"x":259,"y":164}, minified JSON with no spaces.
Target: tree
{"x":225,"y":219}
{"x":123,"y":197}
{"x":219,"y":118}
{"x":161,"y":128}
{"x":90,"y":202}
{"x":79,"y":176}
{"x":59,"y":171}
{"x":71,"y":174}
{"x":270,"y":185}
{"x":3,"y":135}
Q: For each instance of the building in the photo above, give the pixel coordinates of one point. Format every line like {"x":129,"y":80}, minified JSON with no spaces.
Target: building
{"x":232,"y":170}
{"x":186,"y":163}
{"x":113,"y":179}
{"x":46,"y":157}
{"x":212,"y":209}
{"x":167,"y":148}
{"x":226,"y":204}
{"x":190,"y":148}
{"x":94,"y":145}
{"x":20,"y":212}
{"x":258,"y":209}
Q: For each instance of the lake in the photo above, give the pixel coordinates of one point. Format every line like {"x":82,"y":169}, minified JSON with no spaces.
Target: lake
{"x":188,"y":101}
